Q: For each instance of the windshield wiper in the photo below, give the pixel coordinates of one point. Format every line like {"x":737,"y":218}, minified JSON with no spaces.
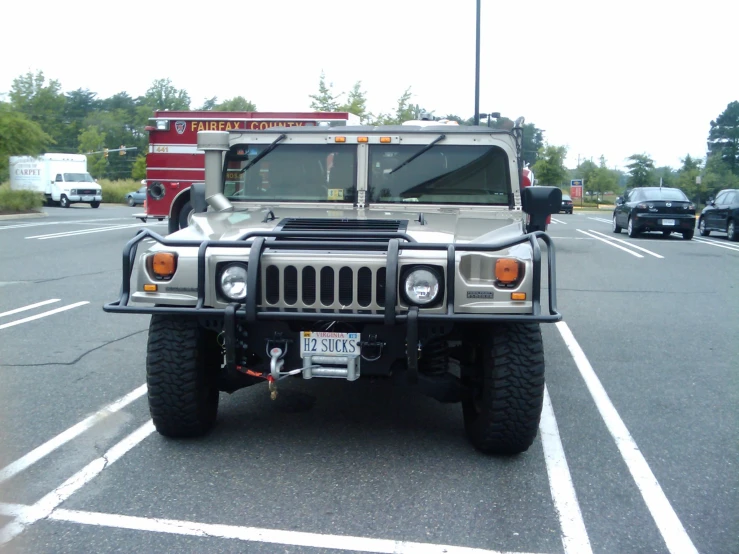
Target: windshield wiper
{"x":426,"y":148}
{"x":274,"y":144}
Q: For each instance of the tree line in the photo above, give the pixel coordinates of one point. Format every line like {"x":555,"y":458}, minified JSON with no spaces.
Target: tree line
{"x":40,"y":117}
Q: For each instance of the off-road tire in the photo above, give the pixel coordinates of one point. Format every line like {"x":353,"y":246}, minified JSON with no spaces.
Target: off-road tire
{"x":95,"y":204}
{"x":702,"y":228}
{"x":181,"y":361}
{"x":616,"y":227}
{"x":688,"y":235}
{"x":502,"y":417}
{"x":64,"y":202}
{"x":731,"y":231}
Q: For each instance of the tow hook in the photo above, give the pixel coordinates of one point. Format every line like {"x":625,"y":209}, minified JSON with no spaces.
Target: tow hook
{"x":275,"y":366}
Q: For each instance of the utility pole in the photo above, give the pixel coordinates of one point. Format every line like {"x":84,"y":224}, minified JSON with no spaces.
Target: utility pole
{"x":477,"y":66}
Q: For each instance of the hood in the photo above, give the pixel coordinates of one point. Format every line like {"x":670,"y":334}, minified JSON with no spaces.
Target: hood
{"x":435,"y":225}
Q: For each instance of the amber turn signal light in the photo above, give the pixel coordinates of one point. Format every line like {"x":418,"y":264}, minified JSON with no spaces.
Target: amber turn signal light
{"x":518,"y":296}
{"x":506,"y":270}
{"x":150,"y":288}
{"x":163,"y":264}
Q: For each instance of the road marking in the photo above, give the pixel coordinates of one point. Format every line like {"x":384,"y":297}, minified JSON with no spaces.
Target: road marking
{"x":85,"y":231}
{"x":716,"y":243}
{"x":631,"y":245}
{"x":247,"y":534}
{"x":74,"y":222}
{"x":611,"y":243}
{"x":559,"y":221}
{"x":43,"y":314}
{"x":574,"y":535}
{"x":44,"y":507}
{"x":30,"y":307}
{"x":64,"y":437}
{"x":602,"y":220}
{"x":673,"y":532}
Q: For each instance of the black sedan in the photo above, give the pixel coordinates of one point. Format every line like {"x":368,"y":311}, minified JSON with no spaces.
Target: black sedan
{"x":566,"y":204}
{"x":654,"y":209}
{"x":722,"y":215}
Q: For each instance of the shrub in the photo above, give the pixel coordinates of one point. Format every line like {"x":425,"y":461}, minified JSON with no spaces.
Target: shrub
{"x":19,"y":201}
{"x":114,"y":192}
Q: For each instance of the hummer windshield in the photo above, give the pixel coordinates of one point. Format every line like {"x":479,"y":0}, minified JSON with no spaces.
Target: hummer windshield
{"x":444,"y":174}
{"x":292,"y":173}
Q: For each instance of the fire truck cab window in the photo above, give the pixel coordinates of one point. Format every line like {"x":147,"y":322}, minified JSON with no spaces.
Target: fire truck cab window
{"x":292,"y":173}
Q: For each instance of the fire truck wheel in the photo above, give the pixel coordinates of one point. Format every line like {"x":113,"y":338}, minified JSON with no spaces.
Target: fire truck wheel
{"x":183,"y":394}
{"x":185,"y":214}
{"x":502,"y":415}
{"x":64,"y":202}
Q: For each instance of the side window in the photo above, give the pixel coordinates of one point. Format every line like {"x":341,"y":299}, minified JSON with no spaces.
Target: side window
{"x":635,"y":196}
{"x":721,"y":198}
{"x":58,"y":177}
{"x":729,"y":198}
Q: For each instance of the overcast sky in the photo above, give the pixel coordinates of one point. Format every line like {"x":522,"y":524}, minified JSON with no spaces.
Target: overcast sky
{"x":612,"y":78}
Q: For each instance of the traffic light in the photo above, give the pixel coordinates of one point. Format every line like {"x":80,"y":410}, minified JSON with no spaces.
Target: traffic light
{"x":122,"y":151}
{"x":105,"y":152}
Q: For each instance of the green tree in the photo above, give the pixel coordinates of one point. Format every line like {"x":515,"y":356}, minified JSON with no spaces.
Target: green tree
{"x":356,"y":102}
{"x":550,"y":168}
{"x":602,"y":179}
{"x":667,"y":174}
{"x":533,"y":141}
{"x":640,"y":170}
{"x":688,"y":177}
{"x":139,"y":168}
{"x":209,"y":104}
{"x":91,"y":140}
{"x":723,"y":138}
{"x":716,"y":176}
{"x":162,"y":95}
{"x":325,"y":100}
{"x":40,"y":102}
{"x":78,"y":106}
{"x":585,"y":172}
{"x":19,"y":136}
{"x":236,"y":104}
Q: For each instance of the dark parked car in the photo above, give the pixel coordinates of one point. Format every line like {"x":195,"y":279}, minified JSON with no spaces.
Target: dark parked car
{"x":721,"y":215}
{"x":136,"y":197}
{"x":654,"y":209}
{"x":566,"y":204}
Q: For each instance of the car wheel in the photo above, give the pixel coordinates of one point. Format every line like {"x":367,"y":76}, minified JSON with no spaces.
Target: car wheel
{"x":131,"y":202}
{"x":95,"y":204}
{"x":501,"y":416}
{"x":630,"y":229}
{"x":702,"y":228}
{"x":181,"y":360}
{"x":731,"y":231}
{"x":616,"y":226}
{"x":64,"y":202}
{"x":688,"y":235}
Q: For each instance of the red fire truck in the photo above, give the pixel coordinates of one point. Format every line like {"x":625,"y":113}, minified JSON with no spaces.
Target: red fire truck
{"x":174,"y":163}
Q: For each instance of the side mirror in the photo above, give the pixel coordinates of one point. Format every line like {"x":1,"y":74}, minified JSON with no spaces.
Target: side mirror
{"x":540,"y":203}
{"x":619,"y":200}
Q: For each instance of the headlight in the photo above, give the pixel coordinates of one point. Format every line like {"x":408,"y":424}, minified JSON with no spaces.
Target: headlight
{"x":422,"y":286}
{"x":233,"y":282}
{"x":73,"y":191}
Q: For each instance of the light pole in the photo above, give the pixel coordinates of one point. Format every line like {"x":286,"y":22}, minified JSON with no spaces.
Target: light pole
{"x":477,"y":66}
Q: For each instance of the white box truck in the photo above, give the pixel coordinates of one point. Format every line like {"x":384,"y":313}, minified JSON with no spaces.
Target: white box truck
{"x":62,"y":178}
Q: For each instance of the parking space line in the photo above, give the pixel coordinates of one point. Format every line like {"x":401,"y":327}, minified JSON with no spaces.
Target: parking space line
{"x":601,"y":219}
{"x":247,"y":534}
{"x":29,"y":307}
{"x":84,"y":231}
{"x":559,"y":221}
{"x":718,"y":244}
{"x":72,"y":222}
{"x":43,"y":314}
{"x":670,"y":527}
{"x":46,"y":505}
{"x":636,"y":254}
{"x":64,"y":437}
{"x":629,"y":244}
{"x":574,"y":535}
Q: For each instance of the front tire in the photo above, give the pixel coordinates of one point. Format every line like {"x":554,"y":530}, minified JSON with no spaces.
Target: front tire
{"x":616,"y":226}
{"x":731,"y":231}
{"x":64,"y":202}
{"x":181,"y":361}
{"x":702,"y":228}
{"x":95,"y":204}
{"x":502,"y":415}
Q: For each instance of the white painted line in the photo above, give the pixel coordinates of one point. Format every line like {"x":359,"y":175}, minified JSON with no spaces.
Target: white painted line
{"x":74,"y":222}
{"x":664,"y":516}
{"x":601,"y":219}
{"x":43,"y":314}
{"x":246,"y":534}
{"x":64,"y":437}
{"x":611,"y":243}
{"x":574,"y":535}
{"x":84,"y":231}
{"x":559,"y":221}
{"x":29,"y":307}
{"x":629,"y":244}
{"x":716,"y":243}
{"x":43,"y":508}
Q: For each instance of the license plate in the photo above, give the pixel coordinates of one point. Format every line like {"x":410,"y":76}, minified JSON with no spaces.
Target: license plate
{"x":88,"y":198}
{"x":324,"y":343}
{"x":668,"y":222}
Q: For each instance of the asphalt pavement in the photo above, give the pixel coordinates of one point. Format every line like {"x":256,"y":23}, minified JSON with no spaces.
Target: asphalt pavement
{"x":637,"y":450}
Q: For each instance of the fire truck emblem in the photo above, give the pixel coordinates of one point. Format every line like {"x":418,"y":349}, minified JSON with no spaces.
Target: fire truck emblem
{"x":180,"y":127}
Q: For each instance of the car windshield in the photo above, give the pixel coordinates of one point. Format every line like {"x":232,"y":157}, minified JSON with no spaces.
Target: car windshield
{"x":444,"y":174}
{"x":292,"y":173}
{"x":78,"y":178}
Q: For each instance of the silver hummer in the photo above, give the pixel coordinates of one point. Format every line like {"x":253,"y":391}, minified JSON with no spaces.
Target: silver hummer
{"x":399,"y":251}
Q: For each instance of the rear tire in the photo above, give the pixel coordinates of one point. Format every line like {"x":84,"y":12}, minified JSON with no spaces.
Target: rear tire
{"x":666,"y":233}
{"x":688,"y":235}
{"x":181,"y":364}
{"x":64,"y":202}
{"x":632,"y":232}
{"x":702,"y":228}
{"x":130,"y":201}
{"x":731,"y":231}
{"x":502,"y":416}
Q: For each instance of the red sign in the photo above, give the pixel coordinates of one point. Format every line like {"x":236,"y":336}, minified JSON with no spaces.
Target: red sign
{"x":576,"y":192}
